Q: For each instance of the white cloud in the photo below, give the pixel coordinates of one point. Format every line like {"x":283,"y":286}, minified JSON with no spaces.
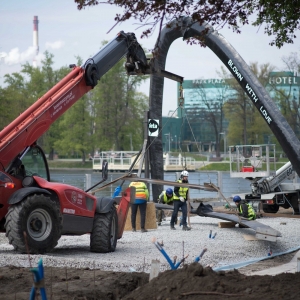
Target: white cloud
{"x":14,"y":56}
{"x":55,"y":45}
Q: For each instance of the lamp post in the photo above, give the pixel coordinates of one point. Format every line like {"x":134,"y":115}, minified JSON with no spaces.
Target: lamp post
{"x":130,"y":136}
{"x":175,"y":143}
{"x":168,"y":134}
{"x":223,"y":133}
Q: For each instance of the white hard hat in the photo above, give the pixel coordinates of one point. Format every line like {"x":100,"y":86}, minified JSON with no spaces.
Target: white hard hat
{"x":185,"y":173}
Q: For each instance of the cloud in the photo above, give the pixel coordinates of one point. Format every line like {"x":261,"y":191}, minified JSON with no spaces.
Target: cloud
{"x":55,"y":45}
{"x":14,"y":56}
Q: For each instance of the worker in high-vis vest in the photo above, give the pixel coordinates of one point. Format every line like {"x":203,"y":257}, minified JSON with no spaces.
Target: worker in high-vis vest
{"x":166,"y":197}
{"x":245,"y":209}
{"x":179,"y":200}
{"x":141,"y":199}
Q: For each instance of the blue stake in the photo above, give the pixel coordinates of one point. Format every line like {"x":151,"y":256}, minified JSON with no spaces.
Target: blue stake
{"x":198,"y":258}
{"x":39,"y":282}
{"x":173,"y":266}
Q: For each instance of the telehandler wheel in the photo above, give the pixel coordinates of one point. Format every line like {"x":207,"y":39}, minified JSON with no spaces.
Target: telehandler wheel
{"x":40,"y":218}
{"x":270,"y":208}
{"x":105,"y":232}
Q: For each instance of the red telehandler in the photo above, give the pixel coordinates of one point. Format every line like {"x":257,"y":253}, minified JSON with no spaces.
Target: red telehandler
{"x":35,"y":212}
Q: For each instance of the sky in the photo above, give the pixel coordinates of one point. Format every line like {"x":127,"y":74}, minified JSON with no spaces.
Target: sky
{"x":67,"y":32}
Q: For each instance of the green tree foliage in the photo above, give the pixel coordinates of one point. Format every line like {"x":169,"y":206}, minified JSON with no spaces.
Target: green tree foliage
{"x":101,"y":119}
{"x":246,"y":126}
{"x":117,"y":110}
{"x":288,"y":98}
{"x":74,"y":130}
{"x":24,"y":88}
{"x":278,"y":18}
{"x":210,"y":116}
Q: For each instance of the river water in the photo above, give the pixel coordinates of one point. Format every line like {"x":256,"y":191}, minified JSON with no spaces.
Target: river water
{"x":229,"y":186}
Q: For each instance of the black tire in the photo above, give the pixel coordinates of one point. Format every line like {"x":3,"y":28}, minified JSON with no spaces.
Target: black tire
{"x":105,"y":232}
{"x":270,"y":209}
{"x":40,"y":218}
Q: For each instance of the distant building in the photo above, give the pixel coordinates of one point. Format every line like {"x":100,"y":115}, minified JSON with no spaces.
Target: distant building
{"x":202,"y":95}
{"x":288,"y":82}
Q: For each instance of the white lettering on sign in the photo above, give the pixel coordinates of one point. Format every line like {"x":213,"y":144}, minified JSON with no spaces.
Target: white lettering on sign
{"x":235,"y":70}
{"x":265,"y":114}
{"x":153,"y":126}
{"x":212,"y":81}
{"x":251,"y":93}
{"x":283,"y":80}
{"x":69,"y":211}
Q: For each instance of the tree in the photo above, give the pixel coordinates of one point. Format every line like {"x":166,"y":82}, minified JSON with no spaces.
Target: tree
{"x":246,"y":126}
{"x":41,"y":80}
{"x":74,"y":128}
{"x":118,"y":110}
{"x":210,"y":114}
{"x":279,"y":18}
{"x":24,"y":88}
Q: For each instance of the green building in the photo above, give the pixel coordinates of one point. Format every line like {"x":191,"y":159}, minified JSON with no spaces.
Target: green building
{"x":202,"y":103}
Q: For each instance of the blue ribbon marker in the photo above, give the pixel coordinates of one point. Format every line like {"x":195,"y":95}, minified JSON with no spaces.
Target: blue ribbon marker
{"x":38,"y":281}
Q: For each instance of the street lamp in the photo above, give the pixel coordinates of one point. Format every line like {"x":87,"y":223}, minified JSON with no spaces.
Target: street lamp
{"x":130,"y":136}
{"x":224,"y":133}
{"x":168,"y":134}
{"x":175,"y":143}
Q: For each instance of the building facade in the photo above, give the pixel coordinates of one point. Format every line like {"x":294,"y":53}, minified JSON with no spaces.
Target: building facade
{"x":202,"y":103}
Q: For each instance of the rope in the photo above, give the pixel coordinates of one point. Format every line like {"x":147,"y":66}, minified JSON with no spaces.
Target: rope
{"x":191,"y":129}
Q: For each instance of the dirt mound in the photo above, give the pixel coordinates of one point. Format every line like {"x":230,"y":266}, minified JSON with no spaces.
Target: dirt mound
{"x":190,"y":282}
{"x":195,"y":282}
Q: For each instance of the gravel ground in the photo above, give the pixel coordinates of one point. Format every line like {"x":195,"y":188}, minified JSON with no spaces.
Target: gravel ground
{"x":135,"y":250}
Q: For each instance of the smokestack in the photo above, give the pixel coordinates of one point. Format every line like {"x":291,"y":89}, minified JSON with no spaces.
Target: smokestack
{"x":35,"y":37}
{"x":35,"y":34}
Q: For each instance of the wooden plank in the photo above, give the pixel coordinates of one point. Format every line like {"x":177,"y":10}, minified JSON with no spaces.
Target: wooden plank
{"x":249,"y":237}
{"x":226,"y":224}
{"x":150,"y":218}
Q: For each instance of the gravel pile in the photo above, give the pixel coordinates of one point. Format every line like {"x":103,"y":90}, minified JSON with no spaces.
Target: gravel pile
{"x":135,"y":250}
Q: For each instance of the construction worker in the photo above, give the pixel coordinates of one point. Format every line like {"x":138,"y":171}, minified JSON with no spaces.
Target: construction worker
{"x":141,"y":199}
{"x":245,"y":209}
{"x":166,"y":197}
{"x":179,"y":200}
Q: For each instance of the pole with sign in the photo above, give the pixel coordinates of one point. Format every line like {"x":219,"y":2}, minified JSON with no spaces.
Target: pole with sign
{"x":153,"y":127}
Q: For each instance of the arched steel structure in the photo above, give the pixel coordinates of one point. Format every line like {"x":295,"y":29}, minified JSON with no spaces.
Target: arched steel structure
{"x":185,"y":28}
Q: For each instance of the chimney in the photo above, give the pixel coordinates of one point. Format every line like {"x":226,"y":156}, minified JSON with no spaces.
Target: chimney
{"x":35,"y":39}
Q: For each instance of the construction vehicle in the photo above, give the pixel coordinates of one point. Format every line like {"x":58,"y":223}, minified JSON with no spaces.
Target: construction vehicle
{"x":35,"y":212}
{"x":269,"y":186}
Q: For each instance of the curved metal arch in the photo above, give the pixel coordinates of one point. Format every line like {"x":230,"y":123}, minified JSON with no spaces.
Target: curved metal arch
{"x":185,"y":28}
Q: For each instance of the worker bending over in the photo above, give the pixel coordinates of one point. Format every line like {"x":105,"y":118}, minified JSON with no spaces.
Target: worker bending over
{"x":166,"y":197}
{"x":245,"y":209}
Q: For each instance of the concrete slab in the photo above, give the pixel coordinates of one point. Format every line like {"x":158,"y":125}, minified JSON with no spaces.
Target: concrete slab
{"x":290,"y":267}
{"x":263,"y":232}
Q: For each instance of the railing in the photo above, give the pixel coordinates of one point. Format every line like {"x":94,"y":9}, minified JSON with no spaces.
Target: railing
{"x":120,"y":161}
